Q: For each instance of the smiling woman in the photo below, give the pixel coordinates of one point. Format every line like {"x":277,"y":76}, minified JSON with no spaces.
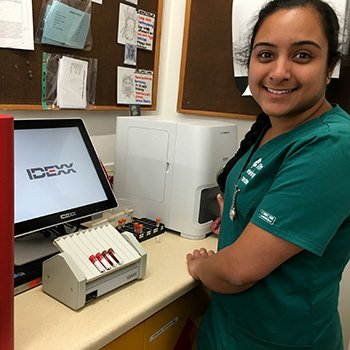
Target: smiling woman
{"x":288,"y":69}
{"x":285,"y":249}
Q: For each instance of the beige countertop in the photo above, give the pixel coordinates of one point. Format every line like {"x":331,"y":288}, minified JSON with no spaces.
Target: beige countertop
{"x":41,"y":322}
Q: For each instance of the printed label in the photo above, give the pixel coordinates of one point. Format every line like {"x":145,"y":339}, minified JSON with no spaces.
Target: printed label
{"x":264,"y":215}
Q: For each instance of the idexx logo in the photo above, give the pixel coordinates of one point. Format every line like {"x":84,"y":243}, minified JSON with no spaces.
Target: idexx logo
{"x":50,"y":170}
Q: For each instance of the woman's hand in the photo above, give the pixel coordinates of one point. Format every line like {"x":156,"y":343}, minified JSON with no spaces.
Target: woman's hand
{"x":215,"y":226}
{"x":195,"y":258}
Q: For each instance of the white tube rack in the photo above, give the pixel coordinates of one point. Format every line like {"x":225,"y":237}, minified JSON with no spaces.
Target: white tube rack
{"x":72,"y":278}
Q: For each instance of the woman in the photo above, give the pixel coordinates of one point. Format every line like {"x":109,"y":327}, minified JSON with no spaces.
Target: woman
{"x":285,"y":231}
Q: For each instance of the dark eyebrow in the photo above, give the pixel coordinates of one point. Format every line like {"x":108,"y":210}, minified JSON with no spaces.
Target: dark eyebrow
{"x":297,"y":43}
{"x":306,"y":42}
{"x":262,"y":43}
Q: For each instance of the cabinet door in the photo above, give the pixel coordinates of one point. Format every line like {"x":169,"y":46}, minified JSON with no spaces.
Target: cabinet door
{"x":133,"y":339}
{"x":175,"y":326}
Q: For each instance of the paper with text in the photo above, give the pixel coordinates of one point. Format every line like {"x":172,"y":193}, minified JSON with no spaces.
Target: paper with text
{"x":71,"y":83}
{"x":65,"y":26}
{"x":134,"y":86}
{"x":145,"y":31}
{"x":16,"y":24}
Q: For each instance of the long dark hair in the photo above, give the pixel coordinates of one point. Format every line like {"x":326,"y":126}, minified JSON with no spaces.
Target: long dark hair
{"x":330,"y":25}
{"x":262,"y":122}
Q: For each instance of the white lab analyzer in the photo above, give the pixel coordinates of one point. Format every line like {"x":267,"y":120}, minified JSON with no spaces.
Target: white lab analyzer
{"x":91,"y":263}
{"x":168,"y":169}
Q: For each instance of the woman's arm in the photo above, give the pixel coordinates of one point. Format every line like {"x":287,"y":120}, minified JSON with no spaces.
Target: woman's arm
{"x":254,"y":255}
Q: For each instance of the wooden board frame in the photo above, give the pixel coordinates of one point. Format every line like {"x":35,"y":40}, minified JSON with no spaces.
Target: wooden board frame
{"x":20,"y":71}
{"x":207,"y":84}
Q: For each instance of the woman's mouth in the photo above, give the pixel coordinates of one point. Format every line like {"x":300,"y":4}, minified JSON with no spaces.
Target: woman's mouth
{"x":279,"y":91}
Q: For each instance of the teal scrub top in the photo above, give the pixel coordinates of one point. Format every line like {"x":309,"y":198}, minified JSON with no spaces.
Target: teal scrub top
{"x":297,"y":187}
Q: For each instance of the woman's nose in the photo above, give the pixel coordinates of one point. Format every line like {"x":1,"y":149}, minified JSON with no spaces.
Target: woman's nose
{"x":280,"y":70}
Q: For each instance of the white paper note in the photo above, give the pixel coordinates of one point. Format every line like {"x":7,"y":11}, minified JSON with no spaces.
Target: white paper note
{"x":16,"y":24}
{"x":134,"y":86}
{"x":127,"y":25}
{"x":71,"y":83}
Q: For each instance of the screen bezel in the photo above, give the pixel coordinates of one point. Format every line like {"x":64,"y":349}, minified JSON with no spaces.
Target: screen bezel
{"x":40,"y":223}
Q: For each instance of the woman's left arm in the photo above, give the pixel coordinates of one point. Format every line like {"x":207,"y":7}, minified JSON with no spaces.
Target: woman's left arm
{"x":236,"y":268}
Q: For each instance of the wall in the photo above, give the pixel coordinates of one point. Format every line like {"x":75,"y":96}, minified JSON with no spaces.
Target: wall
{"x":101,"y":125}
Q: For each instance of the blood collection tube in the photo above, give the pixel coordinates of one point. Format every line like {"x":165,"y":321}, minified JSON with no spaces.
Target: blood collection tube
{"x":120,"y":224}
{"x":136,"y":225}
{"x":113,"y":255}
{"x":103,"y":261}
{"x":157,"y":222}
{"x":106,"y":255}
{"x":123,"y":222}
{"x":96,"y":263}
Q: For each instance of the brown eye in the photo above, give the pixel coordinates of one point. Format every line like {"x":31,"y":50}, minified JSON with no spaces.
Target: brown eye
{"x":265,"y":56}
{"x":302,"y":56}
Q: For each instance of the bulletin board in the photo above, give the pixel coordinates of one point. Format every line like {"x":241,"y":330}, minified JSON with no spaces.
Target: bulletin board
{"x":207,"y":86}
{"x":21,"y":70}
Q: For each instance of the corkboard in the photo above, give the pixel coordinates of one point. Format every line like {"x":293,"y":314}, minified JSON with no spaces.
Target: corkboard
{"x":207,"y":85}
{"x":20,"y":70}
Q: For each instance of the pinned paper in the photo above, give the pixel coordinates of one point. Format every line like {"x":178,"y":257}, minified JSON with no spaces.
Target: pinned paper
{"x":130,"y":54}
{"x":145,"y":32}
{"x":127,"y":25}
{"x":16,"y":24}
{"x":71,"y":83}
{"x":65,"y":26}
{"x":134,"y":86}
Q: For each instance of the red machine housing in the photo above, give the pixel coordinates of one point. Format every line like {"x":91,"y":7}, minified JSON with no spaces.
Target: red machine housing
{"x":6,"y":232}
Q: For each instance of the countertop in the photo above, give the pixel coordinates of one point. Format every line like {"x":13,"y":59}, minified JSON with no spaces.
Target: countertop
{"x":41,"y":322}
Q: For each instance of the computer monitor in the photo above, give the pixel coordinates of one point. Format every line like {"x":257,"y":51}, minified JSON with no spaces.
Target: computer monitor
{"x":58,"y":175}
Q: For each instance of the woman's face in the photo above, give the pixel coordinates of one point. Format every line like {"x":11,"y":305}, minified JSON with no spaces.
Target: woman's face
{"x":288,"y":70}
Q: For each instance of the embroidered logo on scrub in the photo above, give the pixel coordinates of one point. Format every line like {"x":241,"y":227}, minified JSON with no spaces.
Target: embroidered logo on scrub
{"x":251,"y":172}
{"x":264,"y":215}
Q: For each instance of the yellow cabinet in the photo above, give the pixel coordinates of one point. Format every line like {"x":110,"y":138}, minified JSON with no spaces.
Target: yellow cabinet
{"x":173,"y":327}
{"x":133,"y":339}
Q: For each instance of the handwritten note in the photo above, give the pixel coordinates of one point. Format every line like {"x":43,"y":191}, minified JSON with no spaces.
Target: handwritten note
{"x":143,"y":87}
{"x":145,"y":32}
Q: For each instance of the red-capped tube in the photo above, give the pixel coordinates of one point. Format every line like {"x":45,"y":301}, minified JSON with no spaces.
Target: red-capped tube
{"x":96,"y":263}
{"x":109,"y":258}
{"x":114,"y":256}
{"x":103,"y":261}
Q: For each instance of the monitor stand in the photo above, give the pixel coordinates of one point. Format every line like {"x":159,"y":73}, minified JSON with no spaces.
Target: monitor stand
{"x":29,"y":253}
{"x":32,"y":247}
